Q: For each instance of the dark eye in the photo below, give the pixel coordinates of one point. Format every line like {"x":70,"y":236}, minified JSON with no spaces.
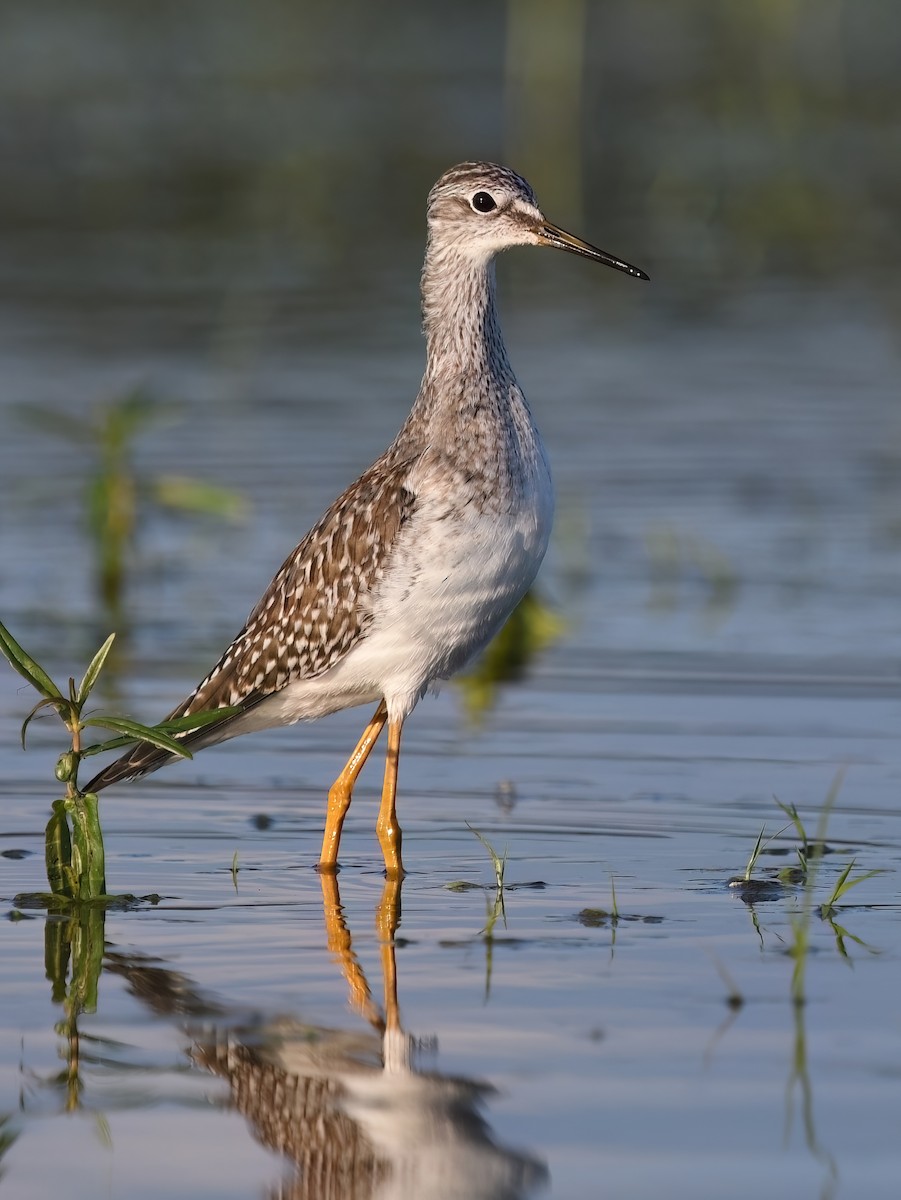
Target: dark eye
{"x":483,"y":202}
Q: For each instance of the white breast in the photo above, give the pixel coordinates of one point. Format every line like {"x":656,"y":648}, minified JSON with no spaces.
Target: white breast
{"x":455,"y":576}
{"x":459,"y":574}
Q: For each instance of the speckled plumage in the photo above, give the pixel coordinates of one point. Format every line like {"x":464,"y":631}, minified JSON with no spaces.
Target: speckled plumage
{"x":415,"y":567}
{"x":319,"y":603}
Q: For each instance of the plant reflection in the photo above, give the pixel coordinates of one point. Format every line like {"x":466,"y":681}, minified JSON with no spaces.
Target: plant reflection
{"x":73,"y":958}
{"x":353,"y":1111}
{"x":530,"y":629}
{"x":8,"y":1137}
{"x":799,"y":1078}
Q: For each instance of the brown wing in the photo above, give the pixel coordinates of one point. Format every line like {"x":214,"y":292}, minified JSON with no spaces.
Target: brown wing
{"x":314,"y":611}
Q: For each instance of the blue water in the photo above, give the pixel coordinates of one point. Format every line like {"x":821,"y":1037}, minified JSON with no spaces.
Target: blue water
{"x":723,"y":577}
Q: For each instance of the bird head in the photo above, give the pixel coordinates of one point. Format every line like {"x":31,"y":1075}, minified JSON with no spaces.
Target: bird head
{"x":478,"y":209}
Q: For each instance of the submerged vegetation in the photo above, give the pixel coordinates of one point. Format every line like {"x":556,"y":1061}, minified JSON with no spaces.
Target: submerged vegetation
{"x":73,"y":839}
{"x":805,"y":878}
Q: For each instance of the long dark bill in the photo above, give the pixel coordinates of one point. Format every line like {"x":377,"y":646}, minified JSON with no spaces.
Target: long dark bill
{"x":552,"y":235}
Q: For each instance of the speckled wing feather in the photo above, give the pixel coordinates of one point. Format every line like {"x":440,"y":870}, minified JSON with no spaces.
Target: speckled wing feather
{"x":316,"y":609}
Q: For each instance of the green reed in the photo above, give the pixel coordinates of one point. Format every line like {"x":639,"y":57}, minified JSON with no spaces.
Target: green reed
{"x":73,"y":839}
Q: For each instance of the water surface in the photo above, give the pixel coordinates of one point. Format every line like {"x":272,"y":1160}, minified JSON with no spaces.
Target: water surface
{"x":724,"y":574}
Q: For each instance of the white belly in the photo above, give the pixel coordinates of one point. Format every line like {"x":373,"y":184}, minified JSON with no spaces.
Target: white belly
{"x":465,"y":580}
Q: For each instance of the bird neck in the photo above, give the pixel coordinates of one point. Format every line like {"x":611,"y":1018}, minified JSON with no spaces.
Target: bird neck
{"x":460,"y":322}
{"x":470,"y":407}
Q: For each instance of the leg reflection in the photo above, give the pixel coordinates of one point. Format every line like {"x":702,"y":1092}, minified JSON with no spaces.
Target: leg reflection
{"x":387,"y":919}
{"x":339,"y":943}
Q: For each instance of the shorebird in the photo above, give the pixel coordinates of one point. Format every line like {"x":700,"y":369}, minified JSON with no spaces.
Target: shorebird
{"x":417,"y":565}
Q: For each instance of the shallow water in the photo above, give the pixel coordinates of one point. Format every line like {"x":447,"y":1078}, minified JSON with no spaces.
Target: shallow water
{"x":643,"y":748}
{"x":725,"y":575}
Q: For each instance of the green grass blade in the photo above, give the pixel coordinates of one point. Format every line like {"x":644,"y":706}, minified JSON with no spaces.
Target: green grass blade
{"x":94,"y":669}
{"x":47,"y":702}
{"x":840,"y":883}
{"x":861,"y":878}
{"x":791,"y":812}
{"x":499,"y":864}
{"x":118,"y":743}
{"x":843,"y":884}
{"x":141,"y":733}
{"x":56,"y":422}
{"x":197,"y":720}
{"x":755,"y":854}
{"x":197,"y":496}
{"x":828,"y":805}
{"x":177,"y":725}
{"x":758,"y":846}
{"x":22,"y":662}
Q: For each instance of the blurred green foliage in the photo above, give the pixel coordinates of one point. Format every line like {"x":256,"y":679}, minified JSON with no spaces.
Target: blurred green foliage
{"x":742,"y":137}
{"x":531,"y":627}
{"x":115,"y":494}
{"x":680,"y":562}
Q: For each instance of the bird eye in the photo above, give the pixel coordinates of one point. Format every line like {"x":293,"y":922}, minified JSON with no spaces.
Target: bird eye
{"x":483,"y":202}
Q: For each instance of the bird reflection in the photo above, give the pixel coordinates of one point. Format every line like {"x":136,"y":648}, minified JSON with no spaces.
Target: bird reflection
{"x":353,"y":1111}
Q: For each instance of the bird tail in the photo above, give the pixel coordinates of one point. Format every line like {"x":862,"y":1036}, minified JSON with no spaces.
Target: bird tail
{"x":139,"y":760}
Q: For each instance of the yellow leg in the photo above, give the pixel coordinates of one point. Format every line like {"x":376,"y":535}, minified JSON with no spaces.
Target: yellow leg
{"x":340,"y":792}
{"x":387,"y":827}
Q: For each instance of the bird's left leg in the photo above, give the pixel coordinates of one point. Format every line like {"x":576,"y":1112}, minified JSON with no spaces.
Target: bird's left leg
{"x":342,"y":789}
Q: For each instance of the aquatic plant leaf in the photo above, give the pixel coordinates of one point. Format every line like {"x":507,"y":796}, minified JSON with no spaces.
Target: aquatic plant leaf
{"x":183,"y":494}
{"x":755,"y":854}
{"x":57,"y":422}
{"x":58,"y":851}
{"x":94,"y":669}
{"x":118,"y":743}
{"x":844,"y":884}
{"x":86,"y":929}
{"x":499,"y":864}
{"x":57,"y":943}
{"x":47,"y":702}
{"x":141,"y":733}
{"x":177,"y":725}
{"x":791,"y":812}
{"x":198,"y":720}
{"x":22,"y":662}
{"x":122,"y":418}
{"x":87,"y":845}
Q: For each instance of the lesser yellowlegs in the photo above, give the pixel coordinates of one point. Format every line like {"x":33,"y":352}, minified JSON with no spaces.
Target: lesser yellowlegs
{"x":421,"y":560}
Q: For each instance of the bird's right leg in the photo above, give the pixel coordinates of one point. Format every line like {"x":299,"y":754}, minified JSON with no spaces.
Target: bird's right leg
{"x":340,"y":792}
{"x":387,"y":828}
